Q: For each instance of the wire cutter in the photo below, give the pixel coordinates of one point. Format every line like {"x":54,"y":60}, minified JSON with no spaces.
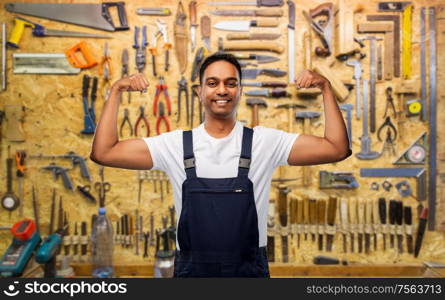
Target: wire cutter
{"x":106,"y":70}
{"x":161,"y":118}
{"x":140,"y":49}
{"x":141,"y":118}
{"x":389,"y":102}
{"x":391,"y":127}
{"x":183,"y":88}
{"x":161,"y":87}
{"x":126,"y":120}
{"x":162,"y":31}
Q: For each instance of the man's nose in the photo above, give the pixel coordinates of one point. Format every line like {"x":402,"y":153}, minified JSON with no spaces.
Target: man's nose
{"x":221,"y":89}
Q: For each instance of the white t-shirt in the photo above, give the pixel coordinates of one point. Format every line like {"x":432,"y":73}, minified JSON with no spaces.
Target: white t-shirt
{"x":219,"y":158}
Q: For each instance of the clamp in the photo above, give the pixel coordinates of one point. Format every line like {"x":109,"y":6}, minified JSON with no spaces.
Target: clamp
{"x":161,"y":118}
{"x":141,"y":118}
{"x":389,"y":102}
{"x":161,"y":87}
{"x":183,"y":88}
{"x":140,"y":49}
{"x":126,"y":120}
{"x":391,"y":136}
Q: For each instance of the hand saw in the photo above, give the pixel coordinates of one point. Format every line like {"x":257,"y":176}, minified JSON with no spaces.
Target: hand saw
{"x":86,"y":14}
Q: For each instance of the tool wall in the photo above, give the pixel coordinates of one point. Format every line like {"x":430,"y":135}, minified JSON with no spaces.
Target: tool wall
{"x":387,"y":60}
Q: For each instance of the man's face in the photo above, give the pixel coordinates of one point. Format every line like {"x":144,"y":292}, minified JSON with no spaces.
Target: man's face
{"x":220,"y":90}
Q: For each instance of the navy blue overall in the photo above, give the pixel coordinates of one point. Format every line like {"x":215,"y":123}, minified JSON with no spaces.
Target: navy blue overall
{"x":218,"y":227}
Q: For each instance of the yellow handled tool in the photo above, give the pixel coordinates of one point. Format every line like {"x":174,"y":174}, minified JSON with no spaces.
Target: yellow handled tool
{"x":17,"y":31}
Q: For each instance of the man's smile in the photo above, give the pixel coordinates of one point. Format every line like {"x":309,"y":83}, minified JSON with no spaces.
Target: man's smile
{"x":221,"y":102}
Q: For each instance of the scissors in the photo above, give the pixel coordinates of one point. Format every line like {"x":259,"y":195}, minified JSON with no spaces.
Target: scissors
{"x":102,"y":187}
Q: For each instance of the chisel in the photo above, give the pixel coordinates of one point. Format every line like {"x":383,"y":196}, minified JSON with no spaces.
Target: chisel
{"x":313,"y":218}
{"x":408,"y":219}
{"x":138,"y":230}
{"x":392,"y":221}
{"x":368,"y":225}
{"x":270,"y":248}
{"x":399,"y":227}
{"x":321,"y":214}
{"x":83,"y":239}
{"x":375,"y":221}
{"x":420,"y":231}
{"x":343,"y":207}
{"x":283,"y":191}
{"x":75,"y":241}
{"x":352,"y":220}
{"x":146,"y":238}
{"x":35,"y":207}
{"x":382,"y":215}
{"x":330,"y":229}
{"x":361,"y":220}
{"x":293,"y":215}
{"x":52,"y":213}
{"x":306,"y":216}
{"x":299,"y":220}
{"x":66,"y":235}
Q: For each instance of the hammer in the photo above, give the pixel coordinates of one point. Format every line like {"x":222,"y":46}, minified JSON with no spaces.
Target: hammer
{"x":290,"y":108}
{"x":306,"y":116}
{"x":255,"y":102}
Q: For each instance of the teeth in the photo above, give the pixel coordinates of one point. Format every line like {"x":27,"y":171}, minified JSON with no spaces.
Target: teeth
{"x":222,"y":101}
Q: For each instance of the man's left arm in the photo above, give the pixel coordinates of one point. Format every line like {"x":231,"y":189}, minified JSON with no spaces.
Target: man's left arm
{"x":334,"y":146}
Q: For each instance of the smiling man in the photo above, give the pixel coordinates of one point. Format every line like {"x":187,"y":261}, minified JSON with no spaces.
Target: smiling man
{"x":220,"y":171}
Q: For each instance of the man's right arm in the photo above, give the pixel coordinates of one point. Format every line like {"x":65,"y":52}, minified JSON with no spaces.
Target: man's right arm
{"x":107,"y":150}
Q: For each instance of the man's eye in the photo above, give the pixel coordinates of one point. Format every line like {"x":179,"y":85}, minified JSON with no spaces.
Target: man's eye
{"x":232,"y":84}
{"x":211,"y":83}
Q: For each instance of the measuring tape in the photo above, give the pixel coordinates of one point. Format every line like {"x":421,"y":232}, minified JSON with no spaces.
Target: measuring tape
{"x":414,"y":107}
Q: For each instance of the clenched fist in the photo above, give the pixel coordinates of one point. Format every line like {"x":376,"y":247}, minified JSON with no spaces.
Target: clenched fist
{"x":132,"y":83}
{"x":310,"y":79}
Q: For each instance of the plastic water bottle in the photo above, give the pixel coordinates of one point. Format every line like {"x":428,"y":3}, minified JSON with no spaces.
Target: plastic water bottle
{"x":102,"y":246}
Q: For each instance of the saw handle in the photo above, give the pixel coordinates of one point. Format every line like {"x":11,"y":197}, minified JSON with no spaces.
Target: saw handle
{"x":17,"y":31}
{"x":120,"y":11}
{"x":75,"y":61}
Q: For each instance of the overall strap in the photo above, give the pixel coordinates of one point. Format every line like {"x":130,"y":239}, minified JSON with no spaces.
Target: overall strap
{"x":246,"y":152}
{"x":189,"y":157}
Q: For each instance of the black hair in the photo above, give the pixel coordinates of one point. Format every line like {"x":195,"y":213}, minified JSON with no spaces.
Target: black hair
{"x":230,"y":58}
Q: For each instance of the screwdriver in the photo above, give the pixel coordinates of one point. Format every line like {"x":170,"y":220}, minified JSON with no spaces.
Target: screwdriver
{"x":20,"y":162}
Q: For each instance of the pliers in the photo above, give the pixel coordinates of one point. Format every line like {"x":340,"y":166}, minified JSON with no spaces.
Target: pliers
{"x":161,"y":118}
{"x":391,"y":127}
{"x":125,"y":72}
{"x":389,"y":102}
{"x":183,"y":88}
{"x":140,"y":49}
{"x":192,"y":113}
{"x":141,"y":118}
{"x":126,"y":120}
{"x":161,"y":87}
